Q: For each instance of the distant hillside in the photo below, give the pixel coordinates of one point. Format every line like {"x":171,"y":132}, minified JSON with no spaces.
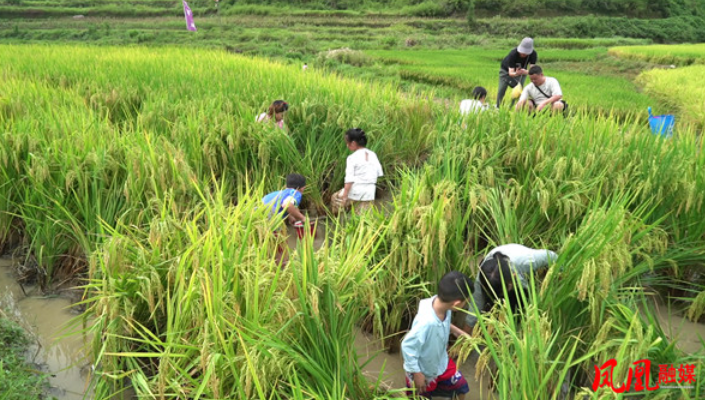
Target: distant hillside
{"x":424,"y":8}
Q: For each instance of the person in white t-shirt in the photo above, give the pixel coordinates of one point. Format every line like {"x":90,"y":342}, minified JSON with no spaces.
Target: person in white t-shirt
{"x":542,"y":93}
{"x":477,"y":103}
{"x":361,"y":172}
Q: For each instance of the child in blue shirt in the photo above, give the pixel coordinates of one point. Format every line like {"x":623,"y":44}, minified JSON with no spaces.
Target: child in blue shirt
{"x":428,"y":368}
{"x":286,"y":202}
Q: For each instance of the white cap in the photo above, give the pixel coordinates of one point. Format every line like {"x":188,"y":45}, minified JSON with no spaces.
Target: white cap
{"x":526,"y":46}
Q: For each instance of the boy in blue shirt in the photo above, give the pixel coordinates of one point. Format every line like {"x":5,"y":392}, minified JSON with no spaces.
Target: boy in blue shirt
{"x":286,"y":202}
{"x":428,"y":368}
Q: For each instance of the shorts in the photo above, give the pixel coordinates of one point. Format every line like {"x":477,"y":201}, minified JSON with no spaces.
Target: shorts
{"x":448,"y":384}
{"x":338,"y":205}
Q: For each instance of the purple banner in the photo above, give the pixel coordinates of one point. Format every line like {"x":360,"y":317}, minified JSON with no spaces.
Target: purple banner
{"x":190,"y":25}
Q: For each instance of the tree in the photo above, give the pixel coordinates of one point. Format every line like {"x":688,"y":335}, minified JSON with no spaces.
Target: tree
{"x":471,"y":13}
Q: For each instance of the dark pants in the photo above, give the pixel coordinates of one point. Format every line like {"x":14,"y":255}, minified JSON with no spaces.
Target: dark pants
{"x":504,"y":79}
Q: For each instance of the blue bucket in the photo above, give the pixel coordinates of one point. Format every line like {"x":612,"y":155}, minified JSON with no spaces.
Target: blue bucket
{"x":662,"y":124}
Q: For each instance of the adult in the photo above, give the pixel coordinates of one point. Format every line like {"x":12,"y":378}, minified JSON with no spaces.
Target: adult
{"x":515,"y":66}
{"x":544,"y":92}
{"x":501,"y":268}
{"x":361,"y":172}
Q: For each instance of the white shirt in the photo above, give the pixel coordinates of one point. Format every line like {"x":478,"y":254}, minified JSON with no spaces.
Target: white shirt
{"x":550,"y":87}
{"x":468,"y":106}
{"x":362,"y":170}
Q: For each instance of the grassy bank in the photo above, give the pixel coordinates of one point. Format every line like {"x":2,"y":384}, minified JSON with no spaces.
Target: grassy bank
{"x":18,"y":381}
{"x":673,"y":85}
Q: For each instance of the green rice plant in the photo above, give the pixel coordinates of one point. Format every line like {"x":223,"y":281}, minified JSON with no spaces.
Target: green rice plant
{"x":564,"y":331}
{"x":146,"y":127}
{"x":676,"y":89}
{"x":679,"y":54}
{"x":462,"y":70}
{"x":200,"y":308}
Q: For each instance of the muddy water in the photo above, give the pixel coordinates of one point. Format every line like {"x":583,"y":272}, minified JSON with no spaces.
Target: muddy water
{"x":393,"y":373}
{"x":686,"y":333}
{"x":45,"y":319}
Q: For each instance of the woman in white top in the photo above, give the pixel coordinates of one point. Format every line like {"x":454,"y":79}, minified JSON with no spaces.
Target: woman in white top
{"x":361,"y":172}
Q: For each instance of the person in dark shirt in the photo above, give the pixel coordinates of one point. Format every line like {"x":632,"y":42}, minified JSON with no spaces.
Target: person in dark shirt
{"x":515,"y":67}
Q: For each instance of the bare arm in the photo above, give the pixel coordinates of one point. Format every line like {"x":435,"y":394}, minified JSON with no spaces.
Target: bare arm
{"x":457,"y":332}
{"x":294,"y":212}
{"x":346,"y":190}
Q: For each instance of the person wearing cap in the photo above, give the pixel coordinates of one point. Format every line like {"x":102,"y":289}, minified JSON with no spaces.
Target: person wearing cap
{"x":515,"y":67}
{"x":543,"y":93}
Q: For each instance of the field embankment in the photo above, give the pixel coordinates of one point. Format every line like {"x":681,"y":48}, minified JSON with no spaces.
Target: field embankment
{"x":674,"y":86}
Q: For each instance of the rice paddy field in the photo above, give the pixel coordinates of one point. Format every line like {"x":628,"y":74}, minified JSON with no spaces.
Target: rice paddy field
{"x":141,"y":170}
{"x":586,"y":87}
{"x":676,"y":85}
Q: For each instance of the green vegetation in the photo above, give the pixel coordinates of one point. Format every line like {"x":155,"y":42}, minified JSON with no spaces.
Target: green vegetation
{"x":680,"y":55}
{"x":158,"y":195}
{"x":17,"y":380}
{"x":585,"y":86}
{"x":677,"y":89}
{"x":141,"y":169}
{"x":673,"y":86}
{"x":160,"y":22}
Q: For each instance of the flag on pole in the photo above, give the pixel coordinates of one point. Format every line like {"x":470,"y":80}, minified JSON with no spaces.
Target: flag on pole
{"x":190,"y":25}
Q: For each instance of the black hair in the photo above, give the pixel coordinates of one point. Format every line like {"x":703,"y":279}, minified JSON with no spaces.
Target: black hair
{"x":277,"y":107}
{"x":535,"y":70}
{"x":356,"y":135}
{"x":479,"y":92}
{"x":454,"y":286}
{"x":295,"y":181}
{"x":493,"y":274}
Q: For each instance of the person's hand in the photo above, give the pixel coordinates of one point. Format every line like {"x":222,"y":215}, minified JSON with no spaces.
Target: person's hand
{"x":541,"y":106}
{"x":343,"y":197}
{"x":419,"y":382}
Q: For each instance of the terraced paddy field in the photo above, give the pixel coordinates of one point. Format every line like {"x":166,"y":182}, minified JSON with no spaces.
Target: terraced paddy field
{"x":141,"y":170}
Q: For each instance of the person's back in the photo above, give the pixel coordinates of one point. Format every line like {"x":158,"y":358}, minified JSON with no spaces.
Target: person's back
{"x":468,"y":106}
{"x":365,"y":169}
{"x":502,"y":268}
{"x":286,"y":202}
{"x":426,"y":363}
{"x":281,"y":199}
{"x":476,"y":104}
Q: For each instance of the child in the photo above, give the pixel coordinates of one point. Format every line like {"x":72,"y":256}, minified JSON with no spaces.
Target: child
{"x":426,"y":363}
{"x":276,"y":112}
{"x":479,"y":95}
{"x":362,"y":169}
{"x":286,"y":202}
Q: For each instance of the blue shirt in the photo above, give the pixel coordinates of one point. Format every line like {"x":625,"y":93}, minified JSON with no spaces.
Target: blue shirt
{"x":424,"y":347}
{"x":281,"y":199}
